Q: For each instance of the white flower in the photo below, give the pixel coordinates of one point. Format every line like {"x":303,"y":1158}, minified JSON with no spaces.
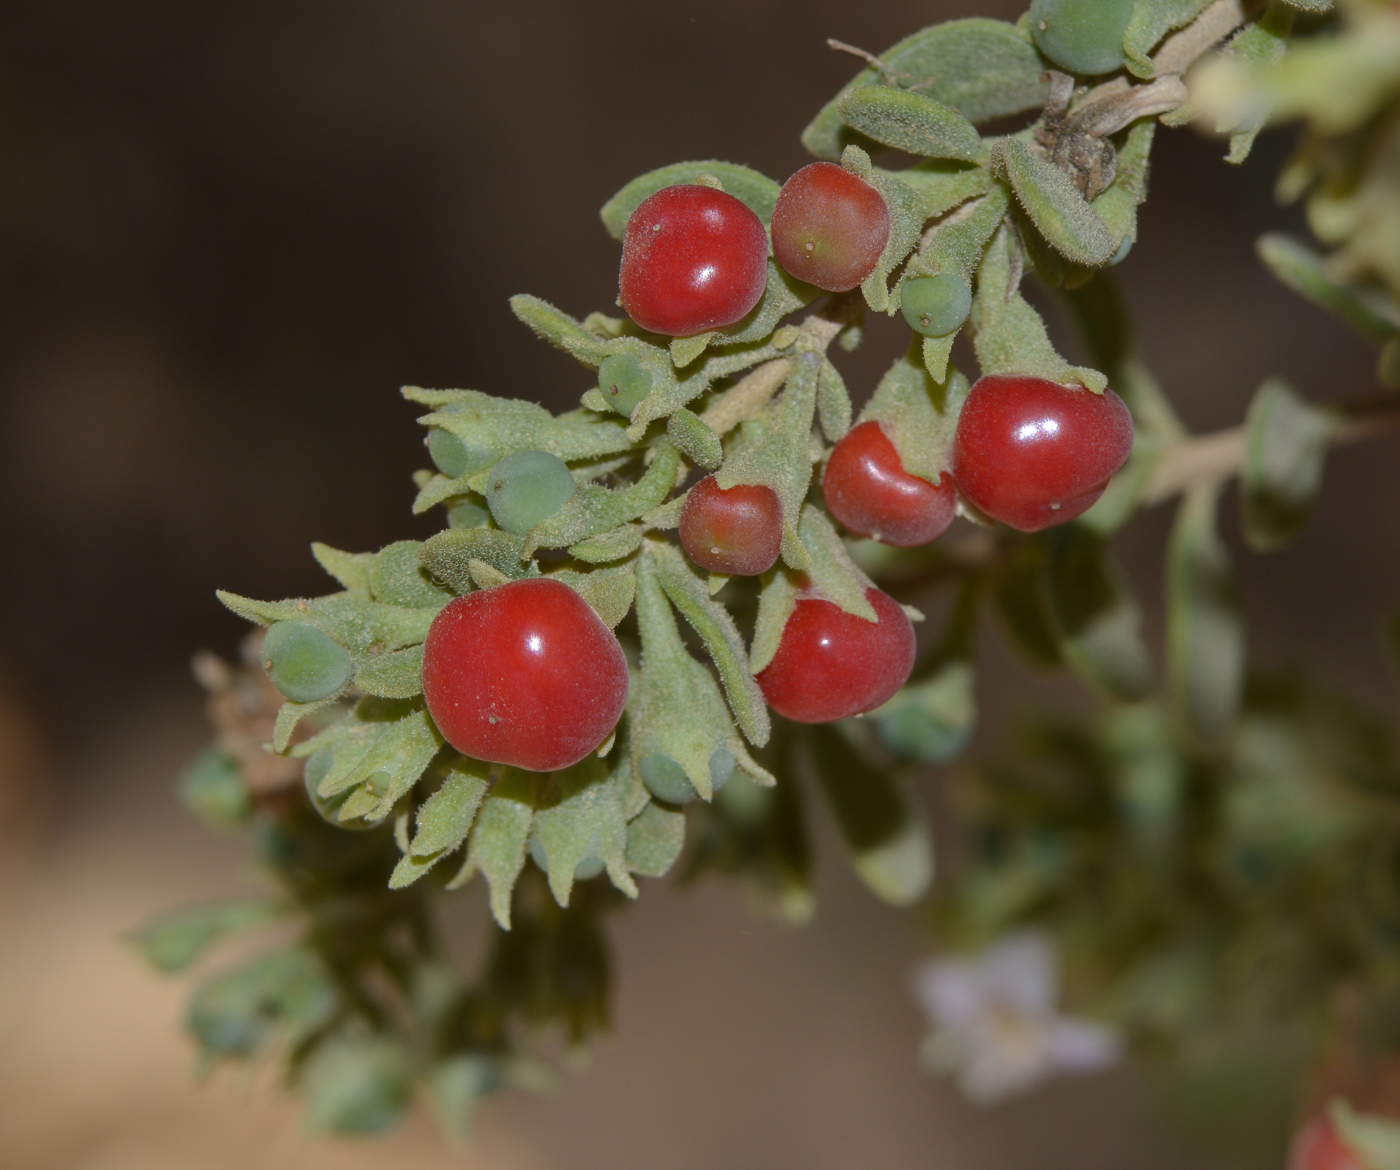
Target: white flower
{"x":995,"y":1028}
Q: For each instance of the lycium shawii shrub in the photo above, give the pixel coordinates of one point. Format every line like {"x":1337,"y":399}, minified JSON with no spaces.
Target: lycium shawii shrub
{"x":640,"y":633}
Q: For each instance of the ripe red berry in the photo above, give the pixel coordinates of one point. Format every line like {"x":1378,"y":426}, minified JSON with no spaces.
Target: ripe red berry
{"x":1033,"y":453}
{"x":1319,"y":1146}
{"x":693,"y":259}
{"x":830,"y":227}
{"x":739,"y":531}
{"x":524,"y":673}
{"x":868,"y":490}
{"x":831,"y":664}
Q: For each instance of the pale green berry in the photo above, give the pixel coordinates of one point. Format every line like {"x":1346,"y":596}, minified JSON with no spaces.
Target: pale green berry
{"x":935,"y":305}
{"x":528,"y":487}
{"x":624,"y":381}
{"x":305,"y":663}
{"x":666,"y":780}
{"x":1081,"y":36}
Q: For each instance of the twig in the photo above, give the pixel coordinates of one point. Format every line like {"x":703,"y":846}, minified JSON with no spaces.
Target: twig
{"x":891,"y":76}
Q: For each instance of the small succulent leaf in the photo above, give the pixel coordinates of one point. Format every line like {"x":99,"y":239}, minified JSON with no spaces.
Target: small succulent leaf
{"x":890,"y":846}
{"x":213,"y":789}
{"x":776,"y":602}
{"x":486,"y":576}
{"x":1056,"y":208}
{"x":1021,"y":605}
{"x":1305,"y":272}
{"x":1095,"y":614}
{"x":504,"y":426}
{"x":393,"y":764}
{"x":758,"y":192}
{"x":445,"y":818}
{"x":558,"y":328}
{"x":909,"y":122}
{"x":696,"y":441}
{"x":982,"y":68}
{"x":280,"y":994}
{"x":655,"y":837}
{"x":350,"y":569}
{"x":496,"y":845}
{"x":685,"y":350}
{"x":671,"y":393}
{"x":1117,"y":206}
{"x":1151,"y":21}
{"x":709,"y":619}
{"x":1286,"y":441}
{"x":1010,"y":337}
{"x":356,"y":1085}
{"x":608,"y":546}
{"x":583,"y":819}
{"x":833,"y":403}
{"x":1205,"y":626}
{"x":179,"y":938}
{"x":945,"y":185}
{"x":907,"y":216}
{"x":958,"y":246}
{"x":608,"y":591}
{"x":595,"y":510}
{"x":397,"y":577}
{"x":779,"y":458}
{"x":395,"y":675}
{"x":289,"y":716}
{"x":438,"y":489}
{"x":448,"y":555}
{"x":919,"y":414}
{"x":1262,"y":43}
{"x":834,"y":575}
{"x":784,"y":294}
{"x":930,"y":721}
{"x":358,"y":625}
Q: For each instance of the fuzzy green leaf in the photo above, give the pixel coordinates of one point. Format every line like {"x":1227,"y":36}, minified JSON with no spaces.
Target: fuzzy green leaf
{"x":358,"y":625}
{"x":755,"y":190}
{"x":655,"y":838}
{"x":1095,"y":614}
{"x":918,"y":414}
{"x":177,"y":939}
{"x":383,"y":745}
{"x":943,"y":185}
{"x":716,"y":628}
{"x":1286,"y":441}
{"x":1010,"y":336}
{"x":396,"y":675}
{"x":397,"y":577}
{"x":685,"y":350}
{"x":359,"y":1085}
{"x":508,"y":425}
{"x":595,"y":509}
{"x":697,"y":442}
{"x":1205,"y":626}
{"x":890,"y":846}
{"x":835,"y":576}
{"x":1263,"y":43}
{"x":1304,"y":271}
{"x":775,"y":605}
{"x":910,"y":122}
{"x":1151,"y":21}
{"x":444,"y":821}
{"x":448,"y":555}
{"x":608,"y":546}
{"x":907,"y":216}
{"x":558,"y":328}
{"x":931,"y":720}
{"x":833,"y":403}
{"x":582,"y":819}
{"x":497,"y":843}
{"x":289,"y":716}
{"x":1060,"y":213}
{"x":958,"y":247}
{"x":282,"y":993}
{"x":982,"y":68}
{"x":350,"y":569}
{"x":784,"y":294}
{"x":608,"y":591}
{"x":1118,"y":205}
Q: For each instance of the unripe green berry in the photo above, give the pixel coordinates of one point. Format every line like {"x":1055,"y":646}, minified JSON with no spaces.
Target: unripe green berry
{"x":528,"y":487}
{"x":666,"y":779}
{"x":624,"y":381}
{"x":451,"y":456}
{"x":1081,"y":36}
{"x":590,"y":867}
{"x":935,"y":305}
{"x":304,"y":662}
{"x":465,"y":512}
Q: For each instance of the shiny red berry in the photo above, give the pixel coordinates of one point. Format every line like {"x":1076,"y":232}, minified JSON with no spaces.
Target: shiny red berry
{"x":738,"y":532}
{"x":1319,"y":1146}
{"x":868,"y":490}
{"x":524,"y":673}
{"x":1033,"y":453}
{"x":830,"y":227}
{"x":693,"y":259}
{"x":831,"y":664}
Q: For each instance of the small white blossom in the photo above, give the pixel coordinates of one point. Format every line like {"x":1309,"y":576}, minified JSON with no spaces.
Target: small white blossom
{"x":995,"y":1027}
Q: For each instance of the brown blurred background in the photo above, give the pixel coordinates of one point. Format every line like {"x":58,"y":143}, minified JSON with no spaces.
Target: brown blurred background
{"x":228,"y":233}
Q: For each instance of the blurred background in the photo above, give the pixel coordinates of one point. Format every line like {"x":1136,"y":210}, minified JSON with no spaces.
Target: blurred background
{"x":228,"y":234}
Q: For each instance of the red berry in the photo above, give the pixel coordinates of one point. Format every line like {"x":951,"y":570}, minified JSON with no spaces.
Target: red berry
{"x":868,"y":490}
{"x":693,"y":259}
{"x":739,"y":531}
{"x":1033,"y":453}
{"x":831,"y":664}
{"x":524,"y":673}
{"x":830,"y":227}
{"x":1319,"y":1146}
